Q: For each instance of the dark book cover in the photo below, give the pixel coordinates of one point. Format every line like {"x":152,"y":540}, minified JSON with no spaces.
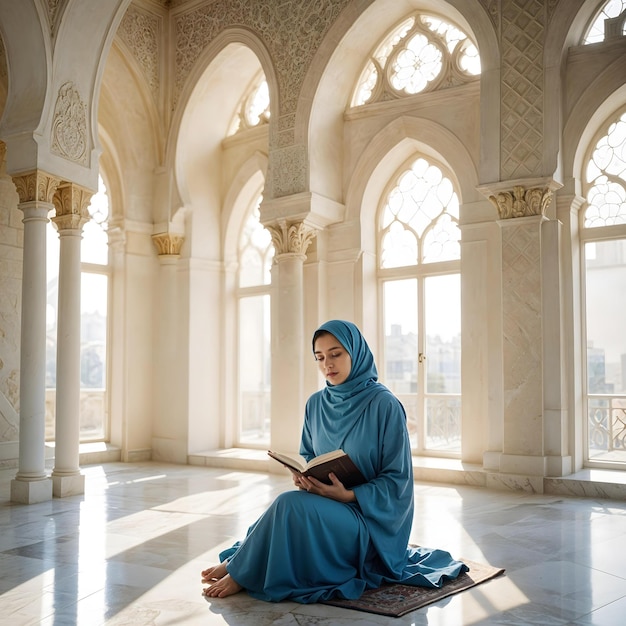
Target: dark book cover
{"x":343,"y":467}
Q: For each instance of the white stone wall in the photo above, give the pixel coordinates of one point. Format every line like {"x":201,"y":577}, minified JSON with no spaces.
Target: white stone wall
{"x":11,"y":242}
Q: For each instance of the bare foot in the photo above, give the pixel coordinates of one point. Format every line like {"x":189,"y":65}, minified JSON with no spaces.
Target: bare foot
{"x":214,"y":573}
{"x":225,"y":586}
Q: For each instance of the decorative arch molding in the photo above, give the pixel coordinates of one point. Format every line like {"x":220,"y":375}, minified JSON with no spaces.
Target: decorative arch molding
{"x":333,"y":73}
{"x":391,"y":147}
{"x":240,"y":194}
{"x":224,"y":69}
{"x":198,"y":75}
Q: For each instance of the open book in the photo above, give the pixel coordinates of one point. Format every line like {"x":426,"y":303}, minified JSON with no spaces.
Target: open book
{"x":337,"y":462}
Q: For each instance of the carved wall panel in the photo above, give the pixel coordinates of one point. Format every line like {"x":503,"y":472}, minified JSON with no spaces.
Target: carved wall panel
{"x":287,"y":171}
{"x":523,"y":32}
{"x":69,"y":125}
{"x":292,"y":31}
{"x":141,"y":33}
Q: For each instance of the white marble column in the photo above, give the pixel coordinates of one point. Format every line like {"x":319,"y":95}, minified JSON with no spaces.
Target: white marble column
{"x":289,"y":349}
{"x":31,"y":484}
{"x":529,"y":266}
{"x":169,"y":435}
{"x":71,"y":214}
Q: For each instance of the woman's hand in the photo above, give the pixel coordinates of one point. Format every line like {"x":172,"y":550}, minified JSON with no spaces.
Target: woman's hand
{"x":335,"y":491}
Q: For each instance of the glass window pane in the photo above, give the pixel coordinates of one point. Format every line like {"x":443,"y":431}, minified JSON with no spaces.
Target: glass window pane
{"x":401,"y":348}
{"x":94,"y":296}
{"x":442,"y":301}
{"x":605,"y":304}
{"x":254,"y":370}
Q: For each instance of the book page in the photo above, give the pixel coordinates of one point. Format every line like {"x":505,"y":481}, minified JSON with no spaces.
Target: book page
{"x":327,"y":456}
{"x":292,"y":460}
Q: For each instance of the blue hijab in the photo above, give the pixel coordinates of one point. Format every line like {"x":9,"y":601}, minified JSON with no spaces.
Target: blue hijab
{"x":346,"y":402}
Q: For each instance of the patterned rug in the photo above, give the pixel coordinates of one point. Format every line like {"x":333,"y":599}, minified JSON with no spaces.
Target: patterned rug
{"x":396,"y":600}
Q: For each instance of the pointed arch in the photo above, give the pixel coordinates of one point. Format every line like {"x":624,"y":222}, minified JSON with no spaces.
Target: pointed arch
{"x":390,"y":147}
{"x":209,"y":99}
{"x":332,"y":76}
{"x":246,"y":183}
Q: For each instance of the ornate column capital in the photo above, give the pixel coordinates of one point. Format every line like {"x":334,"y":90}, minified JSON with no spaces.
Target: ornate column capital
{"x":71,"y":202}
{"x":168,"y":244}
{"x":36,"y":186}
{"x":520,"y":198}
{"x":291,"y":238}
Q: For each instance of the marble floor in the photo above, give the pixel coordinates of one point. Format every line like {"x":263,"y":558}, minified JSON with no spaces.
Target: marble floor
{"x":130,"y":550}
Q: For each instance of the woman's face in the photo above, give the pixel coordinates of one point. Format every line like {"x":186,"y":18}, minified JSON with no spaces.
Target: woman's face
{"x":332,"y":359}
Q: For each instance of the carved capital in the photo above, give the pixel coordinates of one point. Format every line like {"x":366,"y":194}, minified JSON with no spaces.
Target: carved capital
{"x":291,"y":238}
{"x":36,"y":186}
{"x":71,"y":199}
{"x":168,"y":244}
{"x":521,"y":202}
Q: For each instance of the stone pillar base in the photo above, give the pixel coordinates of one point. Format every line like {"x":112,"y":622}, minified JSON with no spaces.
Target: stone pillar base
{"x":558,"y":466}
{"x":31,"y":491}
{"x":72,"y":485}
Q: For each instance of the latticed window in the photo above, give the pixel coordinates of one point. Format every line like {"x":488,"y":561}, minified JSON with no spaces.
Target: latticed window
{"x":254,"y":380}
{"x":255,"y":251}
{"x":606,"y":177}
{"x":422,"y":53}
{"x":609,"y":22}
{"x":419,"y":271}
{"x":420,"y":218}
{"x":603,"y":234}
{"x":254,"y":108}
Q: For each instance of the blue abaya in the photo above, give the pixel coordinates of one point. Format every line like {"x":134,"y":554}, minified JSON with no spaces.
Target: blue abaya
{"x":307,"y":547}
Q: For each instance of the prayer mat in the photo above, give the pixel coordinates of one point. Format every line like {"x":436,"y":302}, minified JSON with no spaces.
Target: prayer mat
{"x":395,"y":599}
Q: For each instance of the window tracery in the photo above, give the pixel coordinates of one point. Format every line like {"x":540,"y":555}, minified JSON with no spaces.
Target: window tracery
{"x":606,"y":177}
{"x":420,"y":218}
{"x":422,"y":53}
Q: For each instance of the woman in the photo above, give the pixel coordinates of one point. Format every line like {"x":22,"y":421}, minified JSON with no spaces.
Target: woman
{"x":325,"y":541}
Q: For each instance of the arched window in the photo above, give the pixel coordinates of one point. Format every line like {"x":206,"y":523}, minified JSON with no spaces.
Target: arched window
{"x":609,"y":22}
{"x":255,"y":254}
{"x":94,"y":321}
{"x":603,"y":233}
{"x":419,"y":273}
{"x":422,"y":53}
